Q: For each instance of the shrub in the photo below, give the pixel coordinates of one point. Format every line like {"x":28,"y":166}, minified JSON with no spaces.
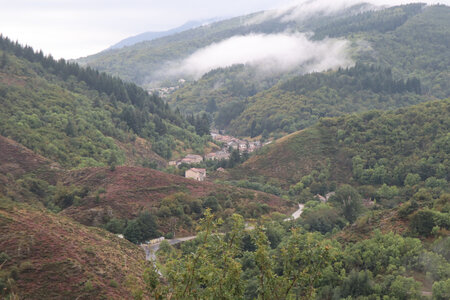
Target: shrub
{"x":113,"y":283}
{"x":4,"y":257}
{"x":441,"y":290}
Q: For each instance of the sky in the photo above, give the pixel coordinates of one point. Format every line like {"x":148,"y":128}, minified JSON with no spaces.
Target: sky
{"x":76,"y":28}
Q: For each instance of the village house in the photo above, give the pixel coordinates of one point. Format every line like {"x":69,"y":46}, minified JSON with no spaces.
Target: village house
{"x":233,"y":144}
{"x":219,"y":155}
{"x":242,"y":146}
{"x":196,"y":173}
{"x":210,"y":156}
{"x":192,"y":159}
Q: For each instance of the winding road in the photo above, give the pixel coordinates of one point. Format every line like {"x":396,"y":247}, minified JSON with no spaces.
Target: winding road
{"x":150,"y":250}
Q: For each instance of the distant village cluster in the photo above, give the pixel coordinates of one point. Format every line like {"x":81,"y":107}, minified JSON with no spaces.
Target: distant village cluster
{"x":229,"y":142}
{"x":235,"y":143}
{"x":163,"y":92}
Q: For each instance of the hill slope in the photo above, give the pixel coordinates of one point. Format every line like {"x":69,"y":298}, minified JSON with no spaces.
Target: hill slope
{"x":96,"y":196}
{"x":411,"y":41}
{"x":152,"y":35}
{"x":80,"y":117}
{"x":300,"y":102}
{"x":369,"y":148}
{"x":50,"y":256}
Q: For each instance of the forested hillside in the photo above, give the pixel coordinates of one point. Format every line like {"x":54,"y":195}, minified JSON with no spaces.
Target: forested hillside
{"x":402,"y":43}
{"x":80,"y":117}
{"x":300,"y":102}
{"x":412,"y":40}
{"x":379,"y":229}
{"x":368,"y":148}
{"x":140,"y":63}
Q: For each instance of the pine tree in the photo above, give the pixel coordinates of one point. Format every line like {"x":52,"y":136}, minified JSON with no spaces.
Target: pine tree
{"x":4,"y":60}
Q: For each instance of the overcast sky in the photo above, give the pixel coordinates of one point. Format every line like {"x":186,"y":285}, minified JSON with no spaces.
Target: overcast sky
{"x":75,"y":28}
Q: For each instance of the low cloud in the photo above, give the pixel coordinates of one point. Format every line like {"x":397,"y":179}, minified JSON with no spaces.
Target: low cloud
{"x":301,"y":9}
{"x":268,"y":52}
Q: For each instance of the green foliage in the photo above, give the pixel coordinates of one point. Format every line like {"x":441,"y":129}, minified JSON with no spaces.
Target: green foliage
{"x":115,"y":225}
{"x":424,"y":220}
{"x":77,"y":116}
{"x":301,"y":101}
{"x":4,"y":257}
{"x":381,"y":251}
{"x":322,"y":218}
{"x":66,"y":196}
{"x":412,"y":179}
{"x":349,"y":201}
{"x":142,"y":228}
{"x":441,"y":290}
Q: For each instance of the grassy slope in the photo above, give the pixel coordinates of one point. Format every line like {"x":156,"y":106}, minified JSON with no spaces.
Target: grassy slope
{"x":129,"y":190}
{"x":296,"y":155}
{"x":57,"y":258}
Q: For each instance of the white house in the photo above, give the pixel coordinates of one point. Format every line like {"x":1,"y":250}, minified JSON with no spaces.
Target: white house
{"x":196,"y":173}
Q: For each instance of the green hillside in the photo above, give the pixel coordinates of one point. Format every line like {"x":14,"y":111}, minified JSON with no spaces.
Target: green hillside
{"x":80,"y":117}
{"x":141,"y":62}
{"x":410,"y":41}
{"x":300,"y":102}
{"x":372,"y":148}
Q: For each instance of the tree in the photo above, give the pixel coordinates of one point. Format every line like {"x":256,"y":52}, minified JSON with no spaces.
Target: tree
{"x":112,"y":161}
{"x":133,"y":232}
{"x":441,"y":290}
{"x":4,"y":60}
{"x":115,"y":226}
{"x":302,"y":260}
{"x":349,"y":200}
{"x":235,"y":158}
{"x":211,"y":106}
{"x":70,"y":128}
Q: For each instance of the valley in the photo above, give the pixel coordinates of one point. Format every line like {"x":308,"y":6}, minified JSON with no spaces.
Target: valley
{"x":295,"y":153}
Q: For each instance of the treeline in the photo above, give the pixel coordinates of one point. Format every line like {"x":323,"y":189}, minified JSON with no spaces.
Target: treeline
{"x":359,"y":77}
{"x":374,"y":21}
{"x":114,"y":87}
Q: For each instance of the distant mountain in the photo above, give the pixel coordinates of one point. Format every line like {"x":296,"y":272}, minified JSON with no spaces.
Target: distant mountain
{"x":146,"y":63}
{"x":408,"y":43}
{"x":151,"y":35}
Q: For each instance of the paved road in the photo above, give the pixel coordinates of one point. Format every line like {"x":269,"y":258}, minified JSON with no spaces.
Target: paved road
{"x":296,"y":214}
{"x":150,"y":250}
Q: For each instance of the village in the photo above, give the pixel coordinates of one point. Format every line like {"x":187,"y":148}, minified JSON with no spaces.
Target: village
{"x":229,"y":143}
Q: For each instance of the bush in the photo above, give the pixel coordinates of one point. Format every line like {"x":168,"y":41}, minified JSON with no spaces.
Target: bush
{"x":142,"y":228}
{"x":4,"y":257}
{"x":115,"y":226}
{"x":408,"y":208}
{"x":424,"y":220}
{"x":113,"y":283}
{"x":441,"y":290}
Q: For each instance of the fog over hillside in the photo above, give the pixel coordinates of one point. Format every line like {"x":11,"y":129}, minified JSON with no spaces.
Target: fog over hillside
{"x":275,"y":53}
{"x":269,"y":52}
